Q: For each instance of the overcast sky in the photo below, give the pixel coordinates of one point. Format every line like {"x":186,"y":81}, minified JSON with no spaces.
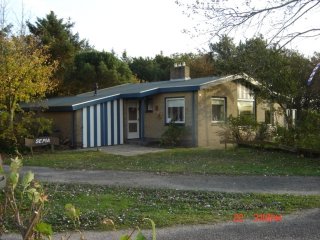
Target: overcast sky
{"x":141,"y":27}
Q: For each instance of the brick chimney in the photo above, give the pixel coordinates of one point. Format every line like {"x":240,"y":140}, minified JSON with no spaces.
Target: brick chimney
{"x":180,"y":72}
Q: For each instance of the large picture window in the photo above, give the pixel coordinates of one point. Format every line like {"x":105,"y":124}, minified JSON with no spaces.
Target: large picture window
{"x":246,"y":108}
{"x":246,"y":101}
{"x":218,"y":109}
{"x":175,"y":110}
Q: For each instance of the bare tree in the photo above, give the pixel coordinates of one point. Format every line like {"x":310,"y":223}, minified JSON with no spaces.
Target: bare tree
{"x":281,"y":21}
{"x":4,"y":27}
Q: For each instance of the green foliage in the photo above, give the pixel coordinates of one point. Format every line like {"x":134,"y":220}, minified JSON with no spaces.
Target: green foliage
{"x":91,"y":67}
{"x":44,"y":229}
{"x":185,"y":160}
{"x":282,"y":73}
{"x":56,"y":34}
{"x":25,"y":76}
{"x":308,"y":129}
{"x":25,"y":125}
{"x":23,"y":203}
{"x":72,"y":213}
{"x":243,"y":127}
{"x":153,"y":227}
{"x":173,"y":135}
{"x":304,"y":135}
{"x":201,"y":64}
{"x":164,"y":206}
{"x":151,"y":69}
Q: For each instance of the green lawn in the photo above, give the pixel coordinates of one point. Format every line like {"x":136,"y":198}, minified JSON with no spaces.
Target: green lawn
{"x":239,"y":161}
{"x":127,"y":207}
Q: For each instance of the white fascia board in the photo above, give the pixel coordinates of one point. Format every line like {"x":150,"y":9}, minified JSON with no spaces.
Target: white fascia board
{"x":97,"y":99}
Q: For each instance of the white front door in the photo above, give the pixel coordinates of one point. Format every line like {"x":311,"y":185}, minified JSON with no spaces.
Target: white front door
{"x":133,"y":120}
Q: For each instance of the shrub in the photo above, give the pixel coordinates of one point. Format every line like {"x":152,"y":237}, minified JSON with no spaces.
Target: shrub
{"x":242,"y":128}
{"x":173,"y":135}
{"x":308,"y":130}
{"x":26,"y":125}
{"x":306,"y":133}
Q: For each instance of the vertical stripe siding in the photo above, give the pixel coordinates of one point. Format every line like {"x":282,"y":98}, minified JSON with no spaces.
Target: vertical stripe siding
{"x":95,"y":129}
{"x":88,"y":126}
{"x":105,"y":133}
{"x":98,"y":125}
{"x":84,"y":128}
{"x":103,"y":124}
{"x":112,"y":123}
{"x":109,"y":123}
{"x":115,"y":122}
{"x":121,"y":121}
{"x":92,"y":123}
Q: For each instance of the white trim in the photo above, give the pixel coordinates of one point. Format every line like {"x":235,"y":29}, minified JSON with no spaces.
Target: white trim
{"x":98,"y":125}
{"x":94,"y":100}
{"x":149,"y":90}
{"x":121,"y":121}
{"x":133,"y":135}
{"x":91,"y":126}
{"x":224,"y":109}
{"x":84,"y":128}
{"x":115,"y":122}
{"x":109,"y":123}
{"x":184,"y":109}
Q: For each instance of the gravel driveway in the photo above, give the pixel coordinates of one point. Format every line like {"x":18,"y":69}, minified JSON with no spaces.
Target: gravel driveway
{"x":261,"y":184}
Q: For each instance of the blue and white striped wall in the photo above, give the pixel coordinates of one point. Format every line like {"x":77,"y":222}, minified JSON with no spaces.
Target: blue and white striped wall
{"x":103,"y":124}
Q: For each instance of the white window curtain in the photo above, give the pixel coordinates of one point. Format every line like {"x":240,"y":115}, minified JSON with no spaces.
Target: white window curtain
{"x":175,"y":110}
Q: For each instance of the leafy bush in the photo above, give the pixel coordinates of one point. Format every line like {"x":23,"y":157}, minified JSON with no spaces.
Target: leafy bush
{"x":308,"y":130}
{"x":173,"y":135}
{"x":22,"y":202}
{"x":306,"y":133}
{"x":286,"y":136}
{"x":26,"y":125}
{"x":242,"y":128}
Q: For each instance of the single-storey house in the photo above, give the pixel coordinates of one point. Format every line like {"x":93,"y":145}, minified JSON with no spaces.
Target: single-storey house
{"x":142,"y":111}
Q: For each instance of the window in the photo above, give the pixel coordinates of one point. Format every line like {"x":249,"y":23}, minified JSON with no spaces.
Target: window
{"x":149,"y":105}
{"x":175,"y":110}
{"x":246,"y":108}
{"x":218,"y":109}
{"x":245,"y":92}
{"x":246,"y":101}
{"x":268,"y":117}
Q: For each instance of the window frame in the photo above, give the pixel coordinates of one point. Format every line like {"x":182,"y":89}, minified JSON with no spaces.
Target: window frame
{"x":149,"y":105}
{"x":224,"y":107}
{"x":249,"y":96}
{"x":249,"y":101}
{"x":167,"y":99}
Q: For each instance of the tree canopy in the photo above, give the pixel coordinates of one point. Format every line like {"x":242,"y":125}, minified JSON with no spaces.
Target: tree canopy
{"x":25,"y":75}
{"x":94,"y":67}
{"x":280,"y":21}
{"x":56,"y":34}
{"x":151,"y":69}
{"x":282,"y":73}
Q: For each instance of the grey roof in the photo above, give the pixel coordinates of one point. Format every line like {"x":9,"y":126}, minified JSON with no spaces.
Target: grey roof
{"x":133,"y":90}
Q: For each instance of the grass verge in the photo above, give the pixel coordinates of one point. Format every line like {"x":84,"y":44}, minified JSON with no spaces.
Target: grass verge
{"x":239,"y":161}
{"x":127,"y":207}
